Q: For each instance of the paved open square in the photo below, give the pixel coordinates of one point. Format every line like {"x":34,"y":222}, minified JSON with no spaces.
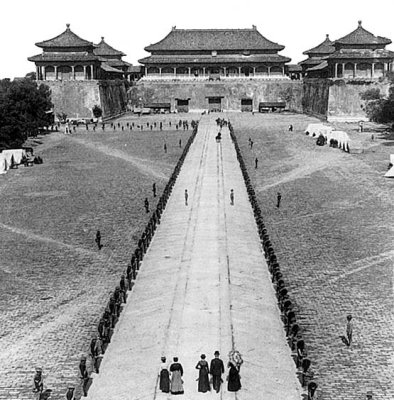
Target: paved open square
{"x":332,"y":235}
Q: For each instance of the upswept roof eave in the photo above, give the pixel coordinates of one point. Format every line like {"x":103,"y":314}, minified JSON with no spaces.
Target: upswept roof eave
{"x":325,"y":47}
{"x":362,"y":36}
{"x":172,"y":41}
{"x":66,"y":39}
{"x":104,"y":49}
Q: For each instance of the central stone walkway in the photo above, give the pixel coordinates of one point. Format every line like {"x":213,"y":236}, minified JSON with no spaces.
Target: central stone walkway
{"x":203,"y":286}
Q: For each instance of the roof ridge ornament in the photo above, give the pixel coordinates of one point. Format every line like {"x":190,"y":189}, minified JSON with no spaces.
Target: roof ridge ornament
{"x":328,"y":36}
{"x":174,"y":27}
{"x":359,"y":23}
{"x":254,"y":27}
{"x":68,"y":26}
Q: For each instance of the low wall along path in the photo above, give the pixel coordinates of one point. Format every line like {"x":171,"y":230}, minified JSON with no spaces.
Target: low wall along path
{"x":203,"y":286}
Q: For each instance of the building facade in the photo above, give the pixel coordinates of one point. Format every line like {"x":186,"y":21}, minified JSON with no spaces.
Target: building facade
{"x":213,"y":54}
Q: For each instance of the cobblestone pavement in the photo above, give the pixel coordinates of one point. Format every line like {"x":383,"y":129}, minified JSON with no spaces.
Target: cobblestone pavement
{"x":333,"y":235}
{"x":54,"y":283}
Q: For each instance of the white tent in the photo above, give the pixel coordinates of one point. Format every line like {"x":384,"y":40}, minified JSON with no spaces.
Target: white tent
{"x":4,"y":166}
{"x":389,"y":173}
{"x":17,"y":153}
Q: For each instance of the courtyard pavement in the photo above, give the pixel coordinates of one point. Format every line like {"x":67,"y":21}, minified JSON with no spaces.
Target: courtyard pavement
{"x":203,"y":286}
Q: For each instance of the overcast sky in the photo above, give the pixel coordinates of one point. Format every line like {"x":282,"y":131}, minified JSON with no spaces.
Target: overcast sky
{"x":130,"y":25}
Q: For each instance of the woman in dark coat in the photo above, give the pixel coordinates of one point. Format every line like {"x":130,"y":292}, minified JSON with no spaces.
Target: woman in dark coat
{"x":234,"y":380}
{"x":203,"y":376}
{"x":176,"y":377}
{"x":164,"y":376}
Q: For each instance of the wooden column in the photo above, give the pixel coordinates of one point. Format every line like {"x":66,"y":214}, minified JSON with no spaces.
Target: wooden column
{"x":373,"y":70}
{"x":174,"y":71}
{"x":203,"y":71}
{"x":336,"y":70}
{"x":84,"y":72}
{"x":355,"y":70}
{"x":72,"y":72}
{"x":254,"y":71}
{"x":37,"y":73}
{"x":91,"y":72}
{"x":269,"y":71}
{"x":44,"y":78}
{"x":343,"y":70}
{"x":239,"y":71}
{"x":190,"y":72}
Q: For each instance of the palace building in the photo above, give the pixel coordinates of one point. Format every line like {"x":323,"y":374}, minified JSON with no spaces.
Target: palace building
{"x":358,"y":55}
{"x":69,"y":57}
{"x":316,"y":58}
{"x":215,"y":54}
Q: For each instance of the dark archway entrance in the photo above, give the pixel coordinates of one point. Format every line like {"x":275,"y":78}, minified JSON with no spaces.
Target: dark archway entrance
{"x":214,"y":103}
{"x":247,"y":105}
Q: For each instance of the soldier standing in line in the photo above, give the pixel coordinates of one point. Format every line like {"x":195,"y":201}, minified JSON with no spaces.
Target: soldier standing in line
{"x":38,"y":381}
{"x":349,"y":329}
{"x":70,"y":393}
{"x":279,"y":197}
{"x":232,"y":197}
{"x":186,"y":197}
{"x":98,"y":240}
{"x":146,"y":204}
{"x":84,"y":375}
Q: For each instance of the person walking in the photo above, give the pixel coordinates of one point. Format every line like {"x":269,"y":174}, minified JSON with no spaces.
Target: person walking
{"x":256,"y":162}
{"x":165,"y":148}
{"x":216,"y":370}
{"x":203,"y":375}
{"x":176,"y":377}
{"x":234,"y":379}
{"x":146,"y":204}
{"x":98,"y":240}
{"x":278,"y":199}
{"x":349,"y":330}
{"x":186,"y":197}
{"x":164,"y":376}
{"x":154,"y":189}
{"x":232,"y":197}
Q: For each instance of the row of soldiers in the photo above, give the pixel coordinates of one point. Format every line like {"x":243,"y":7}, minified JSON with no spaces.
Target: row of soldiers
{"x":181,"y":124}
{"x":288,"y":315}
{"x":113,"y":309}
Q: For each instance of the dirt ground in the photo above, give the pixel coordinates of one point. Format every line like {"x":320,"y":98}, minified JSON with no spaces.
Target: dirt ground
{"x":333,"y":235}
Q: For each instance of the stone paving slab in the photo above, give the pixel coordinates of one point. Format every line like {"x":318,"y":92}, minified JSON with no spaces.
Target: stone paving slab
{"x":203,"y":286}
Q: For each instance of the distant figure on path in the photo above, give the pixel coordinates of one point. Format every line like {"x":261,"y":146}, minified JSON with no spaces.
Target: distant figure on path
{"x":256,"y":162}
{"x":154,"y":189}
{"x":279,"y":198}
{"x":165,"y":148}
{"x":349,"y":330}
{"x":186,"y":197}
{"x":146,"y":204}
{"x":98,"y":240}
{"x":232,"y":197}
{"x":164,"y":376}
{"x":216,"y":370}
{"x":203,"y":376}
{"x":176,"y":377}
{"x":38,"y":381}
{"x":290,"y":128}
{"x":70,"y":393}
{"x":251,"y":144}
{"x":180,"y":142}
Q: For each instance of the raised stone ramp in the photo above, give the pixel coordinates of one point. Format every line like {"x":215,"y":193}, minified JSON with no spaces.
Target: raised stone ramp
{"x":203,"y":286}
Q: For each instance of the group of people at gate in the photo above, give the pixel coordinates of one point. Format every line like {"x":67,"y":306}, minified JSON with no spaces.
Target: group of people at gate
{"x":209,"y":374}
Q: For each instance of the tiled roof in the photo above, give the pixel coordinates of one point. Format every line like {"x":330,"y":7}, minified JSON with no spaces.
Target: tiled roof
{"x":318,"y":67}
{"x":208,"y":59}
{"x":104,"y":49}
{"x":362,"y":36}
{"x":294,"y":68}
{"x":311,"y":61}
{"x":214,"y":39}
{"x":325,"y":47}
{"x":68,"y":56}
{"x":361,"y":54}
{"x":108,"y":68}
{"x":66,"y":39}
{"x":114,"y":62}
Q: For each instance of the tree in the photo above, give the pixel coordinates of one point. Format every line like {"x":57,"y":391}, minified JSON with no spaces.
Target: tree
{"x":97,"y":111}
{"x":24,"y":108}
